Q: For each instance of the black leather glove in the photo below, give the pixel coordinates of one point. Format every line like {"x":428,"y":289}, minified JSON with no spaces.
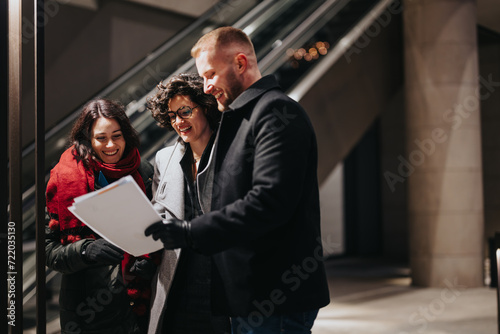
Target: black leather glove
{"x":173,"y":233}
{"x":103,"y":252}
{"x":144,"y":268}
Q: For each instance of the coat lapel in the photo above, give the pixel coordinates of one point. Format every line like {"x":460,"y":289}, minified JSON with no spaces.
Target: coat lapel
{"x":170,"y":193}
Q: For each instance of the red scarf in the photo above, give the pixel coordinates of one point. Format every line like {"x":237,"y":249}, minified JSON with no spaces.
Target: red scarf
{"x":126,"y":166}
{"x":70,"y":179}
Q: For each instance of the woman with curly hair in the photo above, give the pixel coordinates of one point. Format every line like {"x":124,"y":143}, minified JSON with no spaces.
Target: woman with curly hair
{"x":103,"y":289}
{"x":182,"y":189}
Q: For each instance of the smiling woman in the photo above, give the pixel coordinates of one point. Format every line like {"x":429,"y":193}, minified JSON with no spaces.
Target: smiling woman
{"x":107,"y":140}
{"x":104,"y":148}
{"x":182,"y":299}
{"x":103,"y":128}
{"x":192,"y":127}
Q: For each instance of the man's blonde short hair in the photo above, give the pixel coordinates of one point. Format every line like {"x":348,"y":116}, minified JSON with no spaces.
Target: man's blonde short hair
{"x":222,"y":39}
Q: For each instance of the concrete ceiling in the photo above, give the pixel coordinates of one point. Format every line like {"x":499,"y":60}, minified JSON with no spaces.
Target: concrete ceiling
{"x":87,"y":4}
{"x":193,"y":8}
{"x":488,"y":11}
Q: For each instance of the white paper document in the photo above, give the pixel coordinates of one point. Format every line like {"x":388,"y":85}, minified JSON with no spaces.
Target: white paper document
{"x":119,"y":212}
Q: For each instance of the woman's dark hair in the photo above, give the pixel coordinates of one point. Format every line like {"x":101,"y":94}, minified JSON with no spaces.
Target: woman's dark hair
{"x":82,"y":129}
{"x":186,"y":84}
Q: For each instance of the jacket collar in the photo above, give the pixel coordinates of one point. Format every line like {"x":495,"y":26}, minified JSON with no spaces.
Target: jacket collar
{"x":263,"y":85}
{"x":172,"y":198}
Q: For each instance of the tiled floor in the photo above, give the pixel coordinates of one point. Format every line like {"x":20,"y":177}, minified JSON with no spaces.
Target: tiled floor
{"x":370,"y":298}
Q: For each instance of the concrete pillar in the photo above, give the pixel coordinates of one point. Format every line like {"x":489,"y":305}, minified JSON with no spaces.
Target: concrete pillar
{"x":443,"y":158}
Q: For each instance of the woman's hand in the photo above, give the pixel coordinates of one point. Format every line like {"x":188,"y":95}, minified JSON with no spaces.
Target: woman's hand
{"x":144,"y":268}
{"x":103,"y":252}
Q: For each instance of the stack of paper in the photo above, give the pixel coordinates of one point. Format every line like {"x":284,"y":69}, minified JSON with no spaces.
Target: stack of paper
{"x":119,"y":212}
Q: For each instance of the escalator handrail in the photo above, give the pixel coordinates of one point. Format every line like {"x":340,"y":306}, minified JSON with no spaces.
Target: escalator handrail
{"x":329,"y":7}
{"x":299,"y":90}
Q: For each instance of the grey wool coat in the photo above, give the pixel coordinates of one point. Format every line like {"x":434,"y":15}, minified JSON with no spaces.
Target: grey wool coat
{"x":168,"y":201}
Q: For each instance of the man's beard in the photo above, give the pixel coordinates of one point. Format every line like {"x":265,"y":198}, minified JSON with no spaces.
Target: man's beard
{"x":236,"y":90}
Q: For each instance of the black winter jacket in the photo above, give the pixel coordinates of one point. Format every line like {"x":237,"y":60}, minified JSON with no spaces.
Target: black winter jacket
{"x":93,"y":298}
{"x":264,"y":228}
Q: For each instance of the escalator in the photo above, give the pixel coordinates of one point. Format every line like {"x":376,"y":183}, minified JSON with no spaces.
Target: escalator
{"x":292,"y":39}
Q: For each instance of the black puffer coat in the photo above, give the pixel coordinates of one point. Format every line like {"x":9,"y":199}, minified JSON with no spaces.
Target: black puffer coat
{"x":93,"y":297}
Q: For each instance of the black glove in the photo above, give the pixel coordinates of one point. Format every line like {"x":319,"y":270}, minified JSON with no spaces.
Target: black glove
{"x":144,"y":268}
{"x":103,"y":252}
{"x":173,"y":233}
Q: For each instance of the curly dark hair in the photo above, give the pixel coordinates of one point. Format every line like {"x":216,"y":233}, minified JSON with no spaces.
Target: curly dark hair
{"x":186,"y":84}
{"x":81,"y":133}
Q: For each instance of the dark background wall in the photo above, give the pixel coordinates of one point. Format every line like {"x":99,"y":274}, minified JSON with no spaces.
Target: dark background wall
{"x":357,"y":109}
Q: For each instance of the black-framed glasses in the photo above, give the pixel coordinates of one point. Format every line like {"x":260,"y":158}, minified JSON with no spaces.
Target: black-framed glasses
{"x":183,"y":112}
